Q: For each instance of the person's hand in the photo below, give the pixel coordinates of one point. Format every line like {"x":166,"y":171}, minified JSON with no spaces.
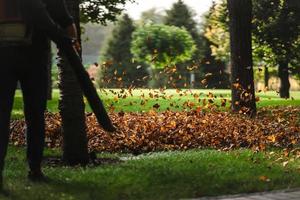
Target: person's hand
{"x":72,"y":33}
{"x":77,"y":45}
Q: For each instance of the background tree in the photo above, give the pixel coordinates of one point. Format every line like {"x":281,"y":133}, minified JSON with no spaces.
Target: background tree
{"x":295,"y":62}
{"x":213,"y":71}
{"x":162,"y":47}
{"x":180,"y":15}
{"x":119,"y":69}
{"x":275,"y":36}
{"x":243,"y":94}
{"x":216,"y":27}
{"x":277,"y":25}
{"x":215,"y":48}
{"x":151,"y":16}
{"x":101,"y":11}
{"x":49,"y":70}
{"x":202,"y":62}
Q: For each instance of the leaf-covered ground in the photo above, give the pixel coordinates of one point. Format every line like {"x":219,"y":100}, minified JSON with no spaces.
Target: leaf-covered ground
{"x":160,"y":131}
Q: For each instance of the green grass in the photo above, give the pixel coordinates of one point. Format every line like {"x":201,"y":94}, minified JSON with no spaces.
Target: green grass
{"x":169,"y":175}
{"x":134,"y":103}
{"x":166,"y":175}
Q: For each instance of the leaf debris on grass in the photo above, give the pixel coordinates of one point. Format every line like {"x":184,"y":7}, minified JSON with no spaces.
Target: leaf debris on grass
{"x":161,"y":131}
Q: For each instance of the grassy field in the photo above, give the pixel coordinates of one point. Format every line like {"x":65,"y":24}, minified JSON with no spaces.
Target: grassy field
{"x":165,"y":175}
{"x":143,"y":100}
{"x":169,"y":175}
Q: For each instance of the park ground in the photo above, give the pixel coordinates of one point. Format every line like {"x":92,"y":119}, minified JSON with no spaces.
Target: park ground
{"x":161,"y":175}
{"x":141,"y":100}
{"x":168,"y":175}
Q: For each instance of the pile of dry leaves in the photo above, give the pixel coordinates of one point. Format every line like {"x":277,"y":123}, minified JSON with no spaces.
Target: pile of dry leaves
{"x":157,"y":131}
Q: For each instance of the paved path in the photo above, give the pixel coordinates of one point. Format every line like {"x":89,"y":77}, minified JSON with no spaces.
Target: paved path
{"x":276,"y":195}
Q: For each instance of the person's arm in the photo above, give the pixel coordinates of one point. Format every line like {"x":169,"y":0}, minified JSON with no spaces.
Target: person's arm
{"x":72,"y":32}
{"x":36,"y":14}
{"x":60,"y":14}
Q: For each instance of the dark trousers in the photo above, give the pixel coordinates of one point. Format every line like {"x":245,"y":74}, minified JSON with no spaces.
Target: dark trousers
{"x":27,"y":65}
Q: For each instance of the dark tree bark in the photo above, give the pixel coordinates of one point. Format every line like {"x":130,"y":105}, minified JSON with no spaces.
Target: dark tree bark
{"x":283,"y":73}
{"x":49,"y":68}
{"x":243,"y":94}
{"x":266,"y":77}
{"x":72,"y":108}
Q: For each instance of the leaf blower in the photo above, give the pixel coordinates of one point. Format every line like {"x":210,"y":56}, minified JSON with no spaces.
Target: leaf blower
{"x":35,"y":14}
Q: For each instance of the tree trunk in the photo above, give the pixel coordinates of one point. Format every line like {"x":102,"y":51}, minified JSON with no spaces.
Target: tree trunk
{"x":158,"y":78}
{"x":243,"y":95}
{"x":192,"y":80}
{"x":266,"y":77}
{"x":72,"y":108}
{"x":49,"y":68}
{"x":283,"y":73}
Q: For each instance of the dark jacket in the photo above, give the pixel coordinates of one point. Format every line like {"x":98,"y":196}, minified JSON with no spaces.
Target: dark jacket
{"x":47,"y":18}
{"x":41,"y":12}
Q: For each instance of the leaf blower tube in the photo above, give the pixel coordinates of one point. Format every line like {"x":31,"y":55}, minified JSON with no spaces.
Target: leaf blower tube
{"x":36,"y":15}
{"x":87,"y":86}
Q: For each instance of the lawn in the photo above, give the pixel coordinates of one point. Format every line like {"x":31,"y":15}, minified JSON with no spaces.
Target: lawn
{"x":144,"y":99}
{"x":159,"y":175}
{"x":168,"y":175}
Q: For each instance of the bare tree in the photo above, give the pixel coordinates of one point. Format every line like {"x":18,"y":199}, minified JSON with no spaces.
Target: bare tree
{"x":243,"y":92}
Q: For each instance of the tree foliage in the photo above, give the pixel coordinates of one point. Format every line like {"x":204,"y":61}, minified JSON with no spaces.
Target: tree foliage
{"x":182,"y":16}
{"x":151,"y":16}
{"x":161,"y":46}
{"x":276,"y":30}
{"x":213,"y":71}
{"x":276,"y":23}
{"x":101,"y":11}
{"x":119,"y":70}
{"x":216,"y":27}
